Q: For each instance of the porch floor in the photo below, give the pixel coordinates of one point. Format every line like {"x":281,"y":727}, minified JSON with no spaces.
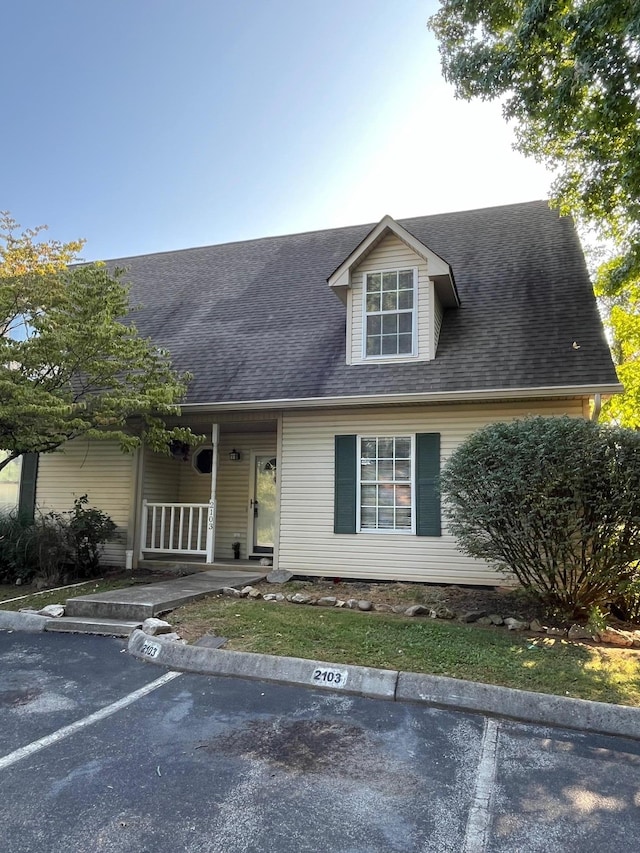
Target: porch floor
{"x":193,"y":565}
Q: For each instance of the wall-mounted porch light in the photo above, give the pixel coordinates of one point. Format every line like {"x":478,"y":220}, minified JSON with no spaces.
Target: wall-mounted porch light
{"x":234,"y":455}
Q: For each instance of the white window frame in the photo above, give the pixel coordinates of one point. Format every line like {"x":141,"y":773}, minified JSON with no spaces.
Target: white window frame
{"x":411,"y":482}
{"x":414,"y":317}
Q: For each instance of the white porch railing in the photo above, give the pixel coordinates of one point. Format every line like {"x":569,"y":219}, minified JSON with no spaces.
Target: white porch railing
{"x":174,"y":528}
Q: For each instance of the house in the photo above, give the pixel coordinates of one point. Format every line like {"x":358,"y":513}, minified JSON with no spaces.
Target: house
{"x":334,"y":372}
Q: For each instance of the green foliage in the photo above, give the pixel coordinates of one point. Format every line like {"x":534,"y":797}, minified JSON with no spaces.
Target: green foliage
{"x":55,"y":545}
{"x":71,"y":361}
{"x":553,"y":501}
{"x":568,"y":75}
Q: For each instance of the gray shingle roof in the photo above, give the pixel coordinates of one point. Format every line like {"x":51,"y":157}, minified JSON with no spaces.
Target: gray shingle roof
{"x":256,"y":320}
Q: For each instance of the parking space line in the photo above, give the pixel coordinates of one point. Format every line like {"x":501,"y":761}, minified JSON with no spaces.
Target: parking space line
{"x":476,"y":837}
{"x":66,"y":731}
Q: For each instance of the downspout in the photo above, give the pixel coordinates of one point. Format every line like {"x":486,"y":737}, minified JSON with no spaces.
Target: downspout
{"x":597,"y":405}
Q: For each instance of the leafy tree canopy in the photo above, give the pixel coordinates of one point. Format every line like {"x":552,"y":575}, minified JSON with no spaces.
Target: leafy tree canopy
{"x":568,"y":73}
{"x":69,"y":365}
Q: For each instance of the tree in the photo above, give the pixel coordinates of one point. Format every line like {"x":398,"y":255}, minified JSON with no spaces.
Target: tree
{"x":554,"y":502}
{"x":568,"y":72}
{"x":71,"y":362}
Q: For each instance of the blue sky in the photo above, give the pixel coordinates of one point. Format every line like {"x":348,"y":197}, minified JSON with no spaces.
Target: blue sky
{"x":149,"y":125}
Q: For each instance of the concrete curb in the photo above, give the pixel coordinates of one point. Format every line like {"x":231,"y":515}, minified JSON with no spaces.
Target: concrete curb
{"x":361,"y":680}
{"x":11,"y":620}
{"x":438,"y":691}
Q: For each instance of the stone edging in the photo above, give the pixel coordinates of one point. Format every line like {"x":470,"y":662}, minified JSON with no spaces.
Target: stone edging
{"x":608,"y":635}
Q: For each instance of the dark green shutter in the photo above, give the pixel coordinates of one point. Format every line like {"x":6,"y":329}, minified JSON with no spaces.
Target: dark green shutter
{"x":427,"y":486}
{"x":28,"y":477}
{"x":344,"y":507}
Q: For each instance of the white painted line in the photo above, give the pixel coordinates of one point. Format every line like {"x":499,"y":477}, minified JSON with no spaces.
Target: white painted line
{"x":71,"y":729}
{"x":476,"y":837}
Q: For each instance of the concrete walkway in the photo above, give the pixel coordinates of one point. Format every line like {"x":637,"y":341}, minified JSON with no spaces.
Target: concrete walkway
{"x":139,"y":602}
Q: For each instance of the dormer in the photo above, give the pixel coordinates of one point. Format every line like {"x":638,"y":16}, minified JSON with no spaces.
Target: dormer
{"x":395,"y":289}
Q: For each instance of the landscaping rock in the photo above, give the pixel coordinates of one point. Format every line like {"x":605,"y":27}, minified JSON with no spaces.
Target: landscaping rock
{"x":363,"y":604}
{"x":244,"y":592}
{"x":556,"y":632}
{"x":515,"y":624}
{"x":254,"y":593}
{"x":173,"y":636}
{"x":399,"y":608}
{"x":231,"y":591}
{"x":614,"y":637}
{"x":279,"y":576}
{"x":153,"y":626}
{"x":55,"y":610}
{"x":300,"y":598}
{"x":416,"y":610}
{"x":484,"y":620}
{"x":473,"y":615}
{"x":383,"y":608}
{"x":577,"y":632}
{"x":340,"y":602}
{"x":270,"y":596}
{"x":327,"y":601}
{"x":537,"y":627}
{"x":351,"y":603}
{"x":496,"y":619}
{"x":442,"y":612}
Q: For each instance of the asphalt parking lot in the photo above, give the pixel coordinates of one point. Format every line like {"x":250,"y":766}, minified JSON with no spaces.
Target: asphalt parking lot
{"x":100,"y":752}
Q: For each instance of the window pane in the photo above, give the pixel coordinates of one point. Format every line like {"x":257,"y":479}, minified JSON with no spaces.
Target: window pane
{"x":403,"y":519}
{"x":403,"y":496}
{"x":403,"y":448}
{"x":368,"y":495}
{"x":369,"y":448}
{"x":405,"y":322}
{"x":404,"y":344}
{"x":373,"y":302}
{"x":374,"y":324}
{"x":389,"y":345}
{"x":390,"y":301}
{"x":374,"y":345}
{"x":405,"y":299}
{"x":368,"y":518}
{"x":389,"y":324}
{"x":373,"y":282}
{"x":386,"y":495}
{"x":386,"y":518}
{"x":403,"y":470}
{"x":405,"y":279}
{"x":389,"y":281}
{"x":385,"y":470}
{"x":368,"y":469}
{"x":385,"y":448}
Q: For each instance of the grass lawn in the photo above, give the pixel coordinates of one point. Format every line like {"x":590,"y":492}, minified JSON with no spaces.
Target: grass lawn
{"x":46,"y":597}
{"x":493,"y":655}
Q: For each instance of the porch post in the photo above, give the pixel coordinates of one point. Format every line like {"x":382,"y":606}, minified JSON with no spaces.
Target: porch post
{"x":211,"y":517}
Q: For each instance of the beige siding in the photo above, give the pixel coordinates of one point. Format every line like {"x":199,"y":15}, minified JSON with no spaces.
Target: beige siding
{"x":438,"y":313}
{"x":308,"y":544}
{"x":391,"y":254}
{"x":98,"y":469}
{"x":232,"y":488}
{"x":161,"y":478}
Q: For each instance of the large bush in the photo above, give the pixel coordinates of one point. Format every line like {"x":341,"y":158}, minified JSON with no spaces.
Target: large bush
{"x":54,"y":546}
{"x":553,"y":501}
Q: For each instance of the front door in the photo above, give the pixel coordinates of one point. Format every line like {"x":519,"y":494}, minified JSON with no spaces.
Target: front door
{"x":263,"y":503}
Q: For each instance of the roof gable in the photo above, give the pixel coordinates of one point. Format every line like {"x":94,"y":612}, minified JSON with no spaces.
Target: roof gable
{"x":439,"y":270}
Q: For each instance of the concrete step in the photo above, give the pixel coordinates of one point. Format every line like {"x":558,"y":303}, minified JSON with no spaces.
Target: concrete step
{"x":79,"y":625}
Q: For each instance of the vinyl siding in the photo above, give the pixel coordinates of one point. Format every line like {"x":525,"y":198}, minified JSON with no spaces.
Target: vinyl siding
{"x":98,"y":469}
{"x":171,"y":480}
{"x":391,"y":254}
{"x":308,"y":544}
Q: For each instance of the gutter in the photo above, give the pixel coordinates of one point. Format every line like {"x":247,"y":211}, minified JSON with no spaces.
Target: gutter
{"x":421,"y":397}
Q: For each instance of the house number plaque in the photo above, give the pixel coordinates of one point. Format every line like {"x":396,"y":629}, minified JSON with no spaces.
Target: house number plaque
{"x":151,"y":650}
{"x":329,"y":677}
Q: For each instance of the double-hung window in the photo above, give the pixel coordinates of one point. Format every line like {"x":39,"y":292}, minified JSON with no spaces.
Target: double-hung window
{"x":386,"y":484}
{"x":389,"y":316}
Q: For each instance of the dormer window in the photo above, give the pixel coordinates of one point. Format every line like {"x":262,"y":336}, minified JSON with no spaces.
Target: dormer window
{"x":389,"y":306}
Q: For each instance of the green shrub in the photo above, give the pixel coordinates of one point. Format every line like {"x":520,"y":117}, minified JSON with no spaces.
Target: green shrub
{"x":53,"y":546}
{"x":553,"y":501}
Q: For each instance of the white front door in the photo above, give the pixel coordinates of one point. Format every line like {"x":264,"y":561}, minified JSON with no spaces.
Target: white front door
{"x":262,"y":504}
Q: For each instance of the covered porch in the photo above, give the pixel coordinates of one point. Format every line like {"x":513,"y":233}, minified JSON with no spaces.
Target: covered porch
{"x":214,"y":504}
